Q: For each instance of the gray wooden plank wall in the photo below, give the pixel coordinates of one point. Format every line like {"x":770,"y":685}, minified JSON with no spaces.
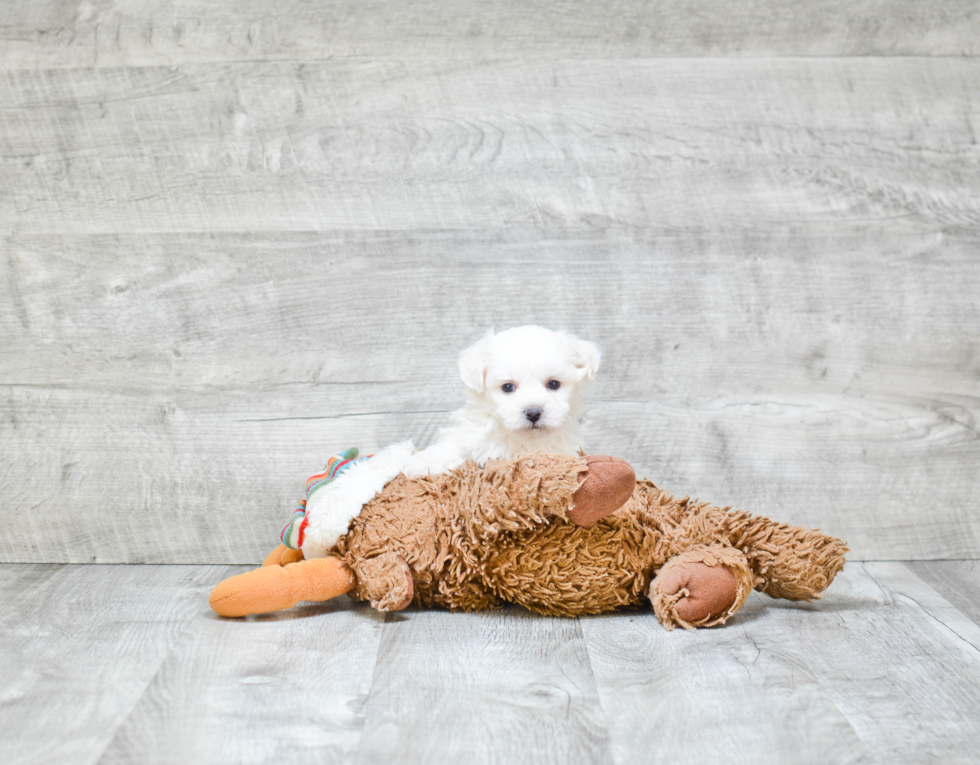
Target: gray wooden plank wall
{"x":236,"y":239}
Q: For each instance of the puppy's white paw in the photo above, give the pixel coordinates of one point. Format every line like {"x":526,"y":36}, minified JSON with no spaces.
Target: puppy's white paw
{"x":416,"y":467}
{"x":441,"y":457}
{"x":394,"y":457}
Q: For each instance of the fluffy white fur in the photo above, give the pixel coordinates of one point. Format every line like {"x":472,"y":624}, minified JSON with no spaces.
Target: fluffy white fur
{"x":523,"y":389}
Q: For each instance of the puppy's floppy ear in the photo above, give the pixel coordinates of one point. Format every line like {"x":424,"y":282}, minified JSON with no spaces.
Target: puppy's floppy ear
{"x":585,"y":356}
{"x":475,"y":361}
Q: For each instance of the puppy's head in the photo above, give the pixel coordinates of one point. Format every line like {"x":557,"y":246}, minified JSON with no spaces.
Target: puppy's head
{"x":529,"y":376}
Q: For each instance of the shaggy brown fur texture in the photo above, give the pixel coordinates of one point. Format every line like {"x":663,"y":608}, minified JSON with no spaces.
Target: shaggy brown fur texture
{"x":477,"y":538}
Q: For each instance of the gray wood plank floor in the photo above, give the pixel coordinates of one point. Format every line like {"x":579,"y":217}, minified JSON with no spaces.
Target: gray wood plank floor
{"x":126,"y":664}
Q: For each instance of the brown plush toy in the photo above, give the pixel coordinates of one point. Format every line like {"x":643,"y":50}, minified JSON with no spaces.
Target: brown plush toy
{"x":558,"y":535}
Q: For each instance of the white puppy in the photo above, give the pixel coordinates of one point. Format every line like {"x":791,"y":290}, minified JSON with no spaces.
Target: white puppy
{"x":523,"y":396}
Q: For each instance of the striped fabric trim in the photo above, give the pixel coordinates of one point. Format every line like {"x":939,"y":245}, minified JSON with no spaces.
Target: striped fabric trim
{"x":293,"y":533}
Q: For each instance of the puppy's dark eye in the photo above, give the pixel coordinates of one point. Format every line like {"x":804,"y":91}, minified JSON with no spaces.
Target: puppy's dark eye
{"x":554,"y":384}
{"x":508,"y":387}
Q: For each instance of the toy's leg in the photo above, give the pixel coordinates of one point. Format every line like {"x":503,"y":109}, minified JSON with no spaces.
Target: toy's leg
{"x":273,"y":587}
{"x":701,"y":587}
{"x":795,"y":563}
{"x":605,"y":486}
{"x":386,"y":581}
{"x":282,"y":556}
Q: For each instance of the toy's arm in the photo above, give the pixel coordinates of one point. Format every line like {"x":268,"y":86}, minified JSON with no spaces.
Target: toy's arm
{"x":520,"y":494}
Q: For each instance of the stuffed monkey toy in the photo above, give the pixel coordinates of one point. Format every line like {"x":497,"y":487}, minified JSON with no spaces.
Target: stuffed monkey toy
{"x":558,"y":535}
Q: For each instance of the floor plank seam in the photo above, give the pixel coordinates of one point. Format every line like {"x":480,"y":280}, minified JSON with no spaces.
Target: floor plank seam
{"x":598,"y":696}
{"x":930,"y":612}
{"x":359,"y":756}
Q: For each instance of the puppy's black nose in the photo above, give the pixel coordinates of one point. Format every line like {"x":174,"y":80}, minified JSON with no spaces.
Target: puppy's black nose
{"x":533,"y":413}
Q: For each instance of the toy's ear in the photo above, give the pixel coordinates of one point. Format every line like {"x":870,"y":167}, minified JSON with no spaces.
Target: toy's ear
{"x":475,"y":361}
{"x":585,"y":357}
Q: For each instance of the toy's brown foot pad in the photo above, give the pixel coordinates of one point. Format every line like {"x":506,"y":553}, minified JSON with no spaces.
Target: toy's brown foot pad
{"x":606,"y":485}
{"x":386,"y":581}
{"x":273,"y":587}
{"x":700,"y":592}
{"x":701,"y":587}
